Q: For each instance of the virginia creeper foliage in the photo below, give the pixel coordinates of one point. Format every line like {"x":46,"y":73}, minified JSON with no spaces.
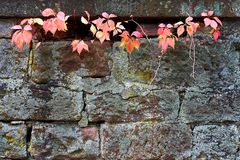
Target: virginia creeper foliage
{"x":106,"y":26}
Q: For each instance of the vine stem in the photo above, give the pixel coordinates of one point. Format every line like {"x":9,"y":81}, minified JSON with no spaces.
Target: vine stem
{"x":193,"y":56}
{"x":141,"y":29}
{"x":159,"y":65}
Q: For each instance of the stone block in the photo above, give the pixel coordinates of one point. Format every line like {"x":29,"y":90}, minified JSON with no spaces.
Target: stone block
{"x":64,"y":141}
{"x":145,"y":140}
{"x":13,"y":141}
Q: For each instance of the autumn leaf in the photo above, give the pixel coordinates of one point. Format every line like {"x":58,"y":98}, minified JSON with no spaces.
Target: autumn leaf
{"x":130,"y":42}
{"x":79,"y":46}
{"x":48,"y":12}
{"x":180,"y":30}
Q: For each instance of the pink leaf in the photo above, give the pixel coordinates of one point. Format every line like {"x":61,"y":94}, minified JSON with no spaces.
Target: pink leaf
{"x":16,"y":27}
{"x":210,"y":13}
{"x":24,"y":21}
{"x":207,"y":21}
{"x":48,"y":12}
{"x":204,"y":14}
{"x":169,"y":26}
{"x":112,"y":16}
{"x":188,"y":19}
{"x":105,"y":15}
{"x":161,"y":25}
{"x":137,"y":34}
{"x":74,"y":44}
{"x":27,"y":28}
{"x":61,"y":16}
{"x":218,"y":20}
{"x":214,"y":24}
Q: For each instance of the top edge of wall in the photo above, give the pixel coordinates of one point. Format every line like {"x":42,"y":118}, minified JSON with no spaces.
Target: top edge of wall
{"x":123,"y":8}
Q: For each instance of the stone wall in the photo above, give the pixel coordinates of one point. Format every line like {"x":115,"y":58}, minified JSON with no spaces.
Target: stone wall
{"x":57,"y":105}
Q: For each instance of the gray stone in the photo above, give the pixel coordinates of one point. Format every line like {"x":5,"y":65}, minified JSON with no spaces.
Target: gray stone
{"x":13,"y":66}
{"x":137,"y":8}
{"x":42,"y":102}
{"x":215,"y":142}
{"x":160,"y":105}
{"x":145,"y":140}
{"x":13,"y":141}
{"x":64,"y":141}
{"x":5,"y":27}
{"x":207,"y":106}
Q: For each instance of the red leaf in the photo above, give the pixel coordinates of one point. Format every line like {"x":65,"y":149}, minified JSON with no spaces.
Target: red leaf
{"x":216,"y":35}
{"x":48,"y":12}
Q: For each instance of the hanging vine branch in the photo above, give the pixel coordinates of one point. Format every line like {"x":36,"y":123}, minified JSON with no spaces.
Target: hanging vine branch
{"x":106,"y":26}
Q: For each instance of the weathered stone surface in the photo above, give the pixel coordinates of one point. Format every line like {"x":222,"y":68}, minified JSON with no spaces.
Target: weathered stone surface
{"x":13,"y":141}
{"x":13,"y":66}
{"x":146,"y":140}
{"x":64,"y":141}
{"x":207,"y":106}
{"x":5,"y":27}
{"x":54,"y":61}
{"x":160,"y":105}
{"x":215,"y":142}
{"x":217,"y":65}
{"x":138,"y":8}
{"x":41,"y":102}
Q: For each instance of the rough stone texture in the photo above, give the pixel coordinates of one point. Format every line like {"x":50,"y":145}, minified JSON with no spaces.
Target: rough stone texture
{"x":157,"y":105}
{"x":138,"y":8}
{"x":64,"y":141}
{"x":146,"y":140}
{"x":13,"y":66}
{"x":41,"y":102}
{"x":206,"y":106}
{"x":54,"y":61}
{"x":13,"y":141}
{"x":215,"y":142}
{"x":5,"y":27}
{"x":102,"y":105}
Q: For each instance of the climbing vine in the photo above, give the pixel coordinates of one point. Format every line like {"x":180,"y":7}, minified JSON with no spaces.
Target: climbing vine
{"x":105,"y":27}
